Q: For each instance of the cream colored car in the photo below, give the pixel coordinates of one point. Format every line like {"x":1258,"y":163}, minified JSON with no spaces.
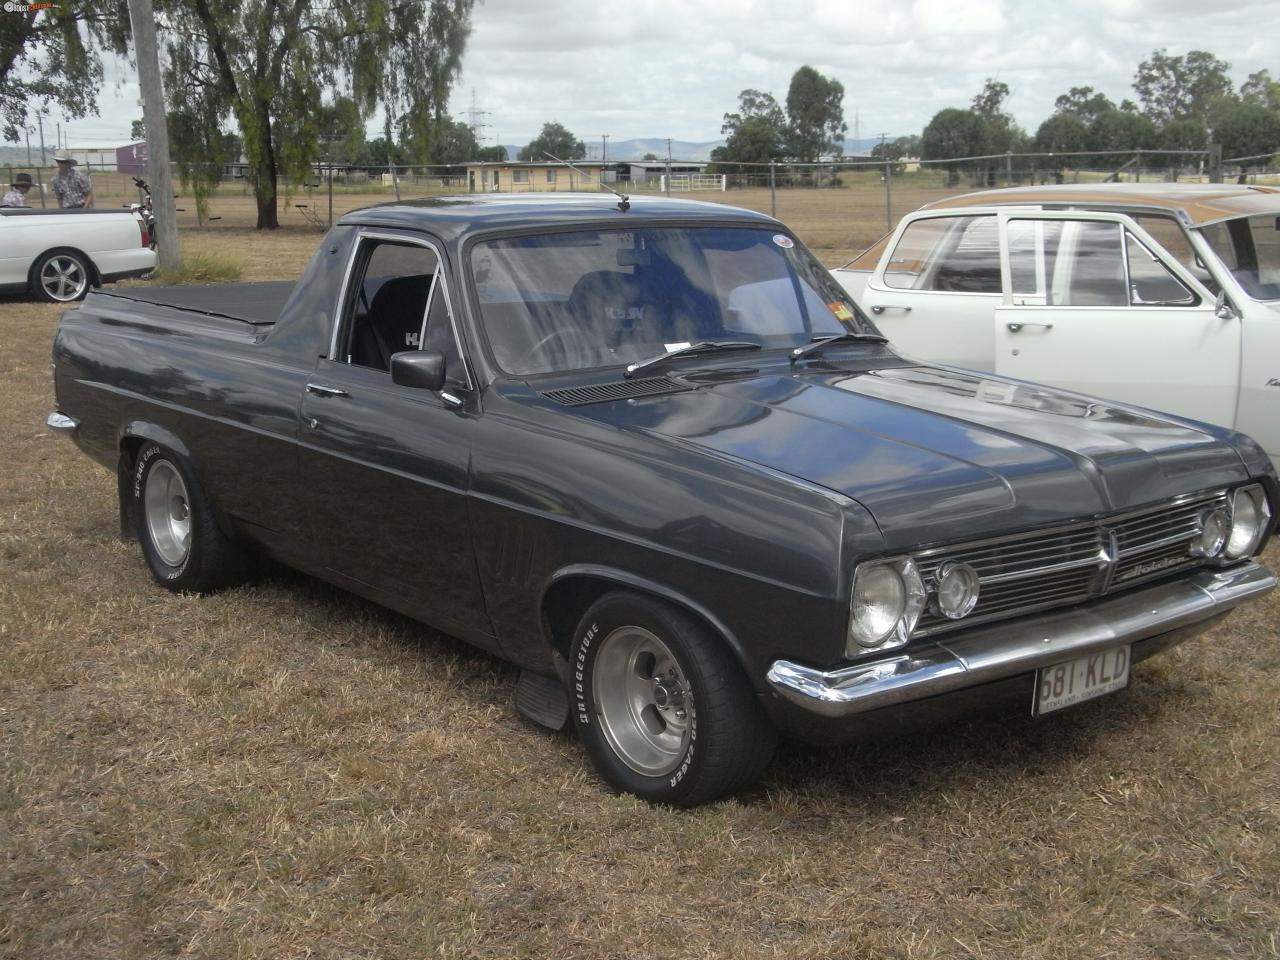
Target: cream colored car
{"x":1163,"y":295}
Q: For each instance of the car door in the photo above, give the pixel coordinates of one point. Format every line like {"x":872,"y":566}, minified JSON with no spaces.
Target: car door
{"x":386,"y":467}
{"x":937,"y":287}
{"x":1094,"y":304}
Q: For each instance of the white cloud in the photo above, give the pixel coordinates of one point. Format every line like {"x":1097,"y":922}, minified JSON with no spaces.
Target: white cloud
{"x":658,"y":68}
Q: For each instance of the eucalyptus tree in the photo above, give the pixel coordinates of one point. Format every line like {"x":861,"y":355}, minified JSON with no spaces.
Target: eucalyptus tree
{"x":269,"y":65}
{"x":50,"y":55}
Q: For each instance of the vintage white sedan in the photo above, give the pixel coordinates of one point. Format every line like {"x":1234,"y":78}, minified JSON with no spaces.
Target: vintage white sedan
{"x":1165,"y":295}
{"x":59,"y":254}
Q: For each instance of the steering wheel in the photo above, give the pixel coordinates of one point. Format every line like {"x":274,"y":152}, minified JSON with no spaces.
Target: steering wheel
{"x":554,"y":335}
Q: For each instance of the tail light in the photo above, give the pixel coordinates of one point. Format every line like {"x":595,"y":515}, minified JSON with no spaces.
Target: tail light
{"x":145,"y":235}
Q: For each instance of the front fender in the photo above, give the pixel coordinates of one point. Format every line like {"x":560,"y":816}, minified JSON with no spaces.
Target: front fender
{"x":624,"y":578}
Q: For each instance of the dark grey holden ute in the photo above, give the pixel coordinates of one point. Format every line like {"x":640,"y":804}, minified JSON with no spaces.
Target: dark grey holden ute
{"x":651,"y":453}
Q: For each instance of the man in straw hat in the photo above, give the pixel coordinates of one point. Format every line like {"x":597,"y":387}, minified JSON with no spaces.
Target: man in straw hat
{"x":72,"y":188}
{"x":17,"y":195}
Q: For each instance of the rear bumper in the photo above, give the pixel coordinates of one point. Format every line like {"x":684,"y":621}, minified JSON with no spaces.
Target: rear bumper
{"x":118,"y":264}
{"x":1002,"y":652}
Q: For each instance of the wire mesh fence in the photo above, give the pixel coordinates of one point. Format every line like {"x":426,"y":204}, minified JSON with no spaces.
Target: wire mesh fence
{"x":843,"y":205}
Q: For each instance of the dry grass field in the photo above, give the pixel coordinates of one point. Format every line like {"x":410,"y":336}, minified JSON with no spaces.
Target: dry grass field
{"x":285,"y":771}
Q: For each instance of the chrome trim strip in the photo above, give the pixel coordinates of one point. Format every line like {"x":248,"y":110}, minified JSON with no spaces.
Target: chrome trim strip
{"x":1021,"y":646}
{"x":62,"y":423}
{"x":1033,"y":572}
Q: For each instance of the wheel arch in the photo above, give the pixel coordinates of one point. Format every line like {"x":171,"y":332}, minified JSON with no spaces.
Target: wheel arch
{"x":574,"y":588}
{"x":95,"y":275}
{"x":133,"y":436}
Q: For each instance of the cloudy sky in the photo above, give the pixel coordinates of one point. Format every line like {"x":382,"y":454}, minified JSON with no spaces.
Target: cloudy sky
{"x":662,"y":68}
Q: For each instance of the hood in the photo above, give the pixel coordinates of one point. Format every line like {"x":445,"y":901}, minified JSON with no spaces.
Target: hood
{"x":940,"y":454}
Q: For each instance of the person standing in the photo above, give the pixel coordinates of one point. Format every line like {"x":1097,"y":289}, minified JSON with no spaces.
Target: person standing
{"x":73,"y":189}
{"x":17,"y":194}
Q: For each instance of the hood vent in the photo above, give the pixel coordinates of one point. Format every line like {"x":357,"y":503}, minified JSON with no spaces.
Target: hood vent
{"x":623,"y":390}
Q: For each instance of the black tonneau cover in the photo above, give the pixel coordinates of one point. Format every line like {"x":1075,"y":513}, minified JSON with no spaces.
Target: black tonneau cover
{"x":255,"y":303}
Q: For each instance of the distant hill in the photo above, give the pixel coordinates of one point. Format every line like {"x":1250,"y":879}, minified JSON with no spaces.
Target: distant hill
{"x":636,"y":149}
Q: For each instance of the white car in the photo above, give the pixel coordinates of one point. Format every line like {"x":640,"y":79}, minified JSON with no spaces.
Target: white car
{"x":59,"y":254}
{"x":1163,"y":295}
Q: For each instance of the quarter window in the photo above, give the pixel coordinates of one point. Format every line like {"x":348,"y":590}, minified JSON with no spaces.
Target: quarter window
{"x":947,"y":254}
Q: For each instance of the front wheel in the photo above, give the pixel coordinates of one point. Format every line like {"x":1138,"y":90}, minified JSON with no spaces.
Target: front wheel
{"x":61,"y":276}
{"x":663,"y":709}
{"x":184,"y":548}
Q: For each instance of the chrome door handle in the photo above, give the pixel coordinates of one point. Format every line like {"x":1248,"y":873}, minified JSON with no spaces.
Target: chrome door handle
{"x":320,"y":390}
{"x":880,"y":308}
{"x":1015,"y":326}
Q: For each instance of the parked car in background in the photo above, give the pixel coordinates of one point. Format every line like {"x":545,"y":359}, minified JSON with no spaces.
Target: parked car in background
{"x":59,"y":254}
{"x":1164,"y":295}
{"x":652,"y":454}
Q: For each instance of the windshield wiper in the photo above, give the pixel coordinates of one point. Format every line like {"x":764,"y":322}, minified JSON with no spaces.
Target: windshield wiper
{"x":799,"y":353}
{"x":688,"y":349}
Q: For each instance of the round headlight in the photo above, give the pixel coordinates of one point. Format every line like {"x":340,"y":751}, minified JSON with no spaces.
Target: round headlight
{"x":1215,"y":526}
{"x":1246,"y":525}
{"x":879,"y":599}
{"x":958,"y":589}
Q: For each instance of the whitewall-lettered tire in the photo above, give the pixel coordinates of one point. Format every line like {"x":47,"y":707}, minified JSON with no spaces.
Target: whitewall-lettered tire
{"x":662,"y":706}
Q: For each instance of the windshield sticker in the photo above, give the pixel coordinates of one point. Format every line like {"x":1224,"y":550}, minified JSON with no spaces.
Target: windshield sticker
{"x":785,"y":242}
{"x":841,"y":310}
{"x":682,"y":345}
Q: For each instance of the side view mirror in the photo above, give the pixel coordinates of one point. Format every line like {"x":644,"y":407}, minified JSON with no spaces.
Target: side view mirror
{"x":422,"y":369}
{"x":1223,"y":309}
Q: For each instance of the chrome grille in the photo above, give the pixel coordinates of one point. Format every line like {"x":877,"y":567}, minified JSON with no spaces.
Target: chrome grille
{"x":1153,"y":544}
{"x":1070,"y":564}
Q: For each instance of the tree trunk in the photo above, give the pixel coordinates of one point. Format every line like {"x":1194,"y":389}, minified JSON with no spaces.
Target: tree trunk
{"x":265,"y":173}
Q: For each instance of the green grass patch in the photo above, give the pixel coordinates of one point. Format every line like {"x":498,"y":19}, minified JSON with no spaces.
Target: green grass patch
{"x":203,"y":268}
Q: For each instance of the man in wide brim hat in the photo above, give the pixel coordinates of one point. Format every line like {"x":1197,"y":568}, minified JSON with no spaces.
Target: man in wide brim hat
{"x":17,"y":195}
{"x":72,"y":188}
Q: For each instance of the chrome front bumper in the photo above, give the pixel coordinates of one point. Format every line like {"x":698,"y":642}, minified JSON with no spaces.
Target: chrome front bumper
{"x":1002,"y":651}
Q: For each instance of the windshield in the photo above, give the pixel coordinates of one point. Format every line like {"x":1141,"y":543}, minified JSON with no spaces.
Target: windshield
{"x":598,"y":298}
{"x":1250,"y":248}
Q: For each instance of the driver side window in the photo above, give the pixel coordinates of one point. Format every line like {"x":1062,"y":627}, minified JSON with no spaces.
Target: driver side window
{"x":397,"y":302}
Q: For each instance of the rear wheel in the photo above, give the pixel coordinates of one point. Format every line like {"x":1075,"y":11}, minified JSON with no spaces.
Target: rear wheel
{"x":184,"y":548}
{"x":62,"y":276}
{"x":664,"y":710}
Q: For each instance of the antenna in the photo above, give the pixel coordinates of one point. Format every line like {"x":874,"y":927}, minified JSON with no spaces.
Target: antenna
{"x":624,"y":202}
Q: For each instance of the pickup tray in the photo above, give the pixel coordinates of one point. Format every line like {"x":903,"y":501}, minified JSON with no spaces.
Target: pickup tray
{"x":254,"y":303}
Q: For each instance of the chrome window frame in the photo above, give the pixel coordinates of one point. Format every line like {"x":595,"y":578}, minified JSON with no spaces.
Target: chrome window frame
{"x":439,"y":279}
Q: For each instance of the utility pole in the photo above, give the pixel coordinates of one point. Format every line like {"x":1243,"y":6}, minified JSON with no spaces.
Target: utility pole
{"x":604,"y":154}
{"x":667,"y":180}
{"x":143,"y":19}
{"x":40,"y":118}
{"x":28,"y":132}
{"x":888,"y":184}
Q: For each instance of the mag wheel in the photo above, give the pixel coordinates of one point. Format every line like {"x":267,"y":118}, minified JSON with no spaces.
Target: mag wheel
{"x":662,"y":707}
{"x":184,"y":548}
{"x":62,"y":276}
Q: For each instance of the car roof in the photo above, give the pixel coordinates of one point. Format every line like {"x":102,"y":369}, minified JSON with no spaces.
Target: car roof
{"x":1199,"y":203}
{"x":1195,"y":204}
{"x":455,"y":217}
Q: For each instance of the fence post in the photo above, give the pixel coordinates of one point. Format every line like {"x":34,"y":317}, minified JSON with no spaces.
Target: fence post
{"x":1008,"y":167}
{"x":40,"y":184}
{"x":888,"y":194}
{"x":1215,"y":163}
{"x":1137,"y":167}
{"x":773,"y":192}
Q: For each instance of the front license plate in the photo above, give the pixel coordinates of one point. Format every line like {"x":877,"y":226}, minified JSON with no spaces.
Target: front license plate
{"x":1074,"y":681}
